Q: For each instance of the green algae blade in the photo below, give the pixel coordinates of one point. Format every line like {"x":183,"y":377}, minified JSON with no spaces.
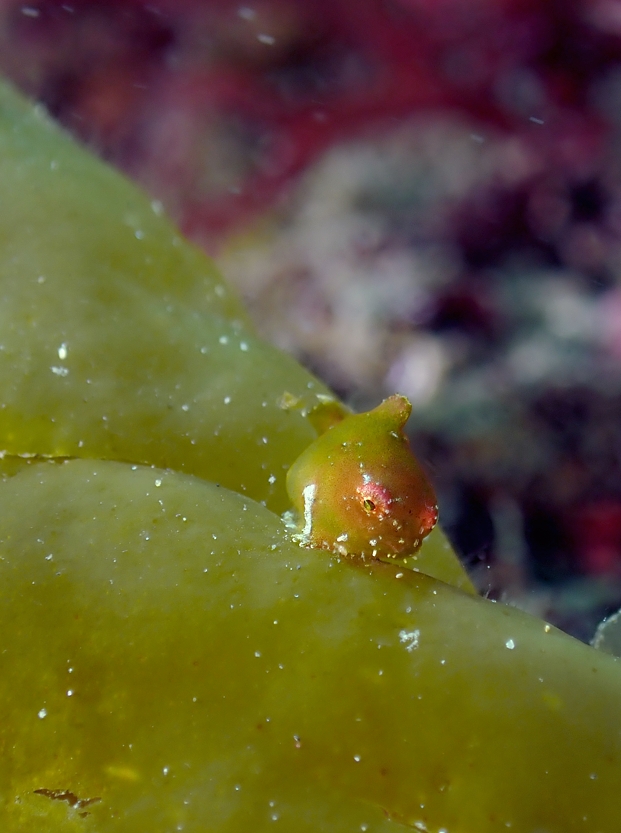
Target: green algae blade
{"x":170,"y":661}
{"x":437,"y":558}
{"x":118,"y":339}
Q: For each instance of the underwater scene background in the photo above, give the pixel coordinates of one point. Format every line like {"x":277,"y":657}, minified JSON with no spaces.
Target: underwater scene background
{"x":411,"y":196}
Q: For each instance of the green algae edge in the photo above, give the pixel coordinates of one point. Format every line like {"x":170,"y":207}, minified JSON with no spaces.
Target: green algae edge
{"x":118,"y":339}
{"x":167,"y":651}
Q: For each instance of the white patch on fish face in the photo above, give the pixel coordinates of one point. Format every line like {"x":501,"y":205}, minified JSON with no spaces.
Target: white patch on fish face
{"x":309,"y":499}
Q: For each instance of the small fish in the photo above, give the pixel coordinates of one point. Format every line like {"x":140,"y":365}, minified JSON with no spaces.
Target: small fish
{"x":358,"y":488}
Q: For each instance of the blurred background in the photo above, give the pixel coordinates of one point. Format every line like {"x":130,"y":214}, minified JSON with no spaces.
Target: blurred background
{"x":421,"y":196}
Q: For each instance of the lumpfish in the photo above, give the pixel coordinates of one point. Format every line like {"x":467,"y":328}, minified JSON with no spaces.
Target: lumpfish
{"x":358,"y":488}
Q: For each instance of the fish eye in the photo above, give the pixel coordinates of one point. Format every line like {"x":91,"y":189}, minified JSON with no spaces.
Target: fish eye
{"x":368,"y":505}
